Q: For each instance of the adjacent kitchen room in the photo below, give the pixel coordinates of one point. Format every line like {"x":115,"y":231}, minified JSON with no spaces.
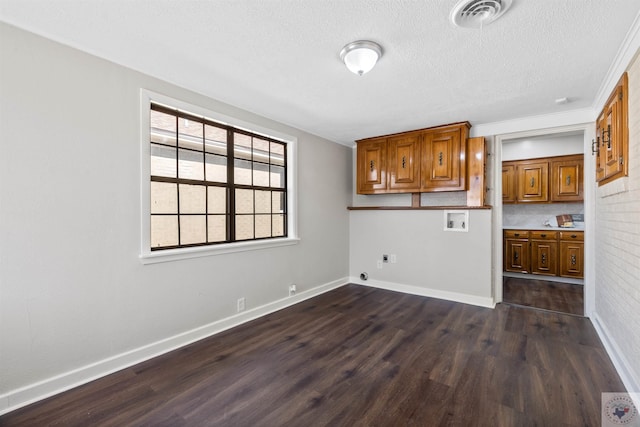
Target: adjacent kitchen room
{"x":543,"y":221}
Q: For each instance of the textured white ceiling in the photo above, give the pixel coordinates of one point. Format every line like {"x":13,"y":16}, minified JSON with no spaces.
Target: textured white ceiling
{"x":280,"y":58}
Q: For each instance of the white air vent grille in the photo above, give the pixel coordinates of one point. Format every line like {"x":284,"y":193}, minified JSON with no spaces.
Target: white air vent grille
{"x":478,"y":13}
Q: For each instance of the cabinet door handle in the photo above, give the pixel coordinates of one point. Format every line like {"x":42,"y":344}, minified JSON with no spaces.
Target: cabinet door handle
{"x":543,"y":235}
{"x":573,"y":236}
{"x":517,"y":234}
{"x":515,"y":256}
{"x":568,"y":180}
{"x":573,"y":260}
{"x":440,"y":158}
{"x":371,"y":164}
{"x":532,"y":182}
{"x":544,"y":258}
{"x":404,"y":162}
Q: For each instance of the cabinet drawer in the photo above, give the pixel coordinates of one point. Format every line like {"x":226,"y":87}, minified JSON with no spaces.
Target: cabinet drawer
{"x":572,"y":235}
{"x":516,"y":234}
{"x":543,"y":235}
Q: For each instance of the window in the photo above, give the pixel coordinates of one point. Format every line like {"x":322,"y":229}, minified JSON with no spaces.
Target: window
{"x":211,"y":183}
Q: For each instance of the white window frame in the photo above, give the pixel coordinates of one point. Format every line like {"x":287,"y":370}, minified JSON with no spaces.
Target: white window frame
{"x":149,"y":257}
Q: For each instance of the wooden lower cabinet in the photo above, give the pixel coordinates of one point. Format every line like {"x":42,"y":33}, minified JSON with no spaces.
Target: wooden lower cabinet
{"x":572,"y":254}
{"x":544,"y":252}
{"x":516,"y":251}
{"x":549,"y":253}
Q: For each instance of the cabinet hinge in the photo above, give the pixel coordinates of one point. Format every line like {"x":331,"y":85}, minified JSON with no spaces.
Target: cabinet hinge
{"x":621,"y":160}
{"x":620,"y":95}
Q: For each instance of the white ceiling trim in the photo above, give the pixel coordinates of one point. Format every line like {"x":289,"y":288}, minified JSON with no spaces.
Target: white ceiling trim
{"x":628,"y":50}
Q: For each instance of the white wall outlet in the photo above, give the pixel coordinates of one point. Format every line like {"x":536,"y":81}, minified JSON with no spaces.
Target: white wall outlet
{"x":292,"y":290}
{"x":379,"y":263}
{"x":240,"y":304}
{"x":393,"y":258}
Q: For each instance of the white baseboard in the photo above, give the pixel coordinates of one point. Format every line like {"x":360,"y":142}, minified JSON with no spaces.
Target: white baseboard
{"x":622,"y":365}
{"x":569,"y":280}
{"x":427,"y":292}
{"x":34,"y":392}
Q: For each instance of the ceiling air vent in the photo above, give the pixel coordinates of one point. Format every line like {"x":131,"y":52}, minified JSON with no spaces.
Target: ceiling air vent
{"x":478,"y":13}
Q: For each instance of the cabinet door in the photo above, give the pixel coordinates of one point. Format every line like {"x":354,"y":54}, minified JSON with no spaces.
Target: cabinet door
{"x":600,"y":155}
{"x":443,"y":161}
{"x":612,"y":135}
{"x":533,"y":181}
{"x":404,"y":162}
{"x":508,"y":183}
{"x":567,"y":179}
{"x":571,"y":259}
{"x":544,"y":257}
{"x":371,"y":173}
{"x":476,"y":171}
{"x":516,"y":255}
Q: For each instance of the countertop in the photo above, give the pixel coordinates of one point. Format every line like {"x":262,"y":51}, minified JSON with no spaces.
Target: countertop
{"x":579,"y":227}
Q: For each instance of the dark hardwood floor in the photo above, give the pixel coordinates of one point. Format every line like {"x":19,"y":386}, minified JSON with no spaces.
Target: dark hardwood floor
{"x":359,"y":356}
{"x":547,"y":295}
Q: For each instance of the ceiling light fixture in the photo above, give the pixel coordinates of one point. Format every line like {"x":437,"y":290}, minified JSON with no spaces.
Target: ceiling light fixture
{"x":361,"y":56}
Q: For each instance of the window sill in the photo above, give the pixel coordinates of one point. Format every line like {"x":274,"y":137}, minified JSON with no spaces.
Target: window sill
{"x":202,"y":251}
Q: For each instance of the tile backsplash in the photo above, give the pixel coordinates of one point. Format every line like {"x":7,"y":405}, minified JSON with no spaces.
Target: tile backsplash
{"x":534,"y":215}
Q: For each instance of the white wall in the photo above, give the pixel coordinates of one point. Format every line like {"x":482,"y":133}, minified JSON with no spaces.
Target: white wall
{"x":542,"y":146}
{"x":430,"y":261}
{"x":73,"y":292}
{"x":618,"y":251}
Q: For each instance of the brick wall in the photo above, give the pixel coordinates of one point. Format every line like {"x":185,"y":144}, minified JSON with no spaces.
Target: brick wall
{"x":617,"y":246}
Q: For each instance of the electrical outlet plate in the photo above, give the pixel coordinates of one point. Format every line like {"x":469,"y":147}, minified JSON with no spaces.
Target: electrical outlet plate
{"x":240,"y":304}
{"x":292,"y":290}
{"x":393,"y":258}
{"x":379,"y":263}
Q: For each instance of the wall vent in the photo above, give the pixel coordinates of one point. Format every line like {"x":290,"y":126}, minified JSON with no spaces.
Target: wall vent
{"x":478,"y":13}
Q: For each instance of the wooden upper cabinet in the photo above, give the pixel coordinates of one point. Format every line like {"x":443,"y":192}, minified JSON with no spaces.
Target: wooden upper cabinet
{"x":567,"y":179}
{"x":508,"y":182}
{"x":543,"y":180}
{"x":423,"y":160}
{"x":372,"y":166}
{"x":476,"y":171}
{"x":612,"y":133}
{"x":599,"y":154}
{"x":404,"y":162}
{"x":533,"y":181}
{"x":443,"y":158}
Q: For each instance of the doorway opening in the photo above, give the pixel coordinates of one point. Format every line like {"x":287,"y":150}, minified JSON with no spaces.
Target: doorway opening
{"x":529,"y":235}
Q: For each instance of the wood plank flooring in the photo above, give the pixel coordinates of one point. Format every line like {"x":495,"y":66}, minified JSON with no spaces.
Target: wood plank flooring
{"x":544,"y":294}
{"x":359,"y":356}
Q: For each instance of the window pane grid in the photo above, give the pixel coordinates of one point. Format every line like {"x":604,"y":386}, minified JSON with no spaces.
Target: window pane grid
{"x":203,"y":175}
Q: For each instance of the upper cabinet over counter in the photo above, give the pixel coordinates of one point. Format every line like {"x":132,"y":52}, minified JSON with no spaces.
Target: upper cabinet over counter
{"x":422,"y":161}
{"x":611,"y":145}
{"x":543,"y":180}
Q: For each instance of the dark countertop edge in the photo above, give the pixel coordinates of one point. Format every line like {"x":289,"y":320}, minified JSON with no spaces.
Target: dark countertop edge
{"x":410,"y":208}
